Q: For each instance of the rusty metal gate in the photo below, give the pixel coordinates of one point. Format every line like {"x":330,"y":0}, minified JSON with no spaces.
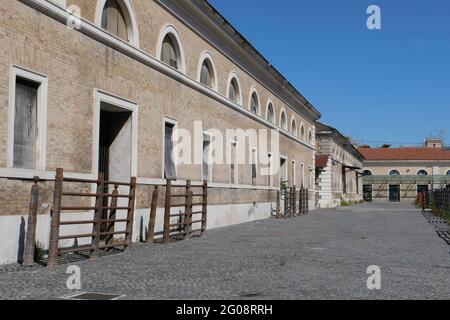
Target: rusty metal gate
{"x":296,"y":202}
{"x":96,"y":244}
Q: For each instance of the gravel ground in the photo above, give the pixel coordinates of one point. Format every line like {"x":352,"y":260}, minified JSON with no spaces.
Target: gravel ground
{"x":323,"y":255}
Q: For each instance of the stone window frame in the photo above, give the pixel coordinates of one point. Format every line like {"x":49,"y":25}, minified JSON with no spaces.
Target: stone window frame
{"x":234,"y":143}
{"x":170,"y":30}
{"x":253,"y":91}
{"x":285,"y":127}
{"x":116,"y":100}
{"x":270,"y":166}
{"x":210,"y":165}
{"x":422,"y":170}
{"x":392,"y":170}
{"x":130,"y":19}
{"x":270,"y":103}
{"x":286,"y":159}
{"x":174,"y":122}
{"x":233,"y":76}
{"x":302,"y":175}
{"x":206,"y":55}
{"x":254,"y":151}
{"x":42,"y":106}
{"x":294,"y":172}
{"x":294,"y":123}
{"x":302,"y":132}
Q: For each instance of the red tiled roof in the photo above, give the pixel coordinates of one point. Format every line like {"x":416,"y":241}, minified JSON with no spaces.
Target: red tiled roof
{"x":425,"y":154}
{"x":321,"y":161}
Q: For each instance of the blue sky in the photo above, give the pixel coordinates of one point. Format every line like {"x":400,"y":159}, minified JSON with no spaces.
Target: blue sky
{"x":388,"y":85}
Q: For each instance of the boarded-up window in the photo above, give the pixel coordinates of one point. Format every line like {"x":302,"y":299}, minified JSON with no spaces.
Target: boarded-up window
{"x":302,"y":179}
{"x":233,"y":171}
{"x":113,"y":20}
{"x":169,"y":52}
{"x":283,"y":169}
{"x":269,"y":168}
{"x":169,"y":164}
{"x":254,"y":162}
{"x":25,"y":124}
{"x":206,"y":157}
{"x":294,"y":173}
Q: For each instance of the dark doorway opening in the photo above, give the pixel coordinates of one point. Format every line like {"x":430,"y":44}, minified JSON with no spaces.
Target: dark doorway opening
{"x":394,"y":193}
{"x":368,"y":192}
{"x":114,"y":159}
{"x":422,"y":188}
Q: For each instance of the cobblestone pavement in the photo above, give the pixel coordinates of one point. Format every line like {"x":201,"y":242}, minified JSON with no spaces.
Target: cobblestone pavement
{"x":324,"y":255}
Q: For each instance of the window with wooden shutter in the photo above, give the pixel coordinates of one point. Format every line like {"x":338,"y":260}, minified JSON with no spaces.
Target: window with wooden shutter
{"x":169,"y":54}
{"x":169,"y":163}
{"x":206,"y":74}
{"x":114,"y":21}
{"x":25,"y":124}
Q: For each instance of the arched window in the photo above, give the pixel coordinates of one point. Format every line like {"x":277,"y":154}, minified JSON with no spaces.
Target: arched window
{"x":283,"y":121}
{"x":254,"y":103}
{"x":422,"y":173}
{"x":302,"y":133}
{"x":270,"y":113}
{"x":309,"y":137}
{"x":115,"y":20}
{"x":234,"y":92}
{"x":294,"y":127}
{"x":367,"y":173}
{"x":394,"y":173}
{"x":170,"y":52}
{"x":169,"y":49}
{"x":207,"y":74}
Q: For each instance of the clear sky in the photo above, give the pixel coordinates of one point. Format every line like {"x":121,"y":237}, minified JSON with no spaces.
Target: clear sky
{"x":388,"y":85}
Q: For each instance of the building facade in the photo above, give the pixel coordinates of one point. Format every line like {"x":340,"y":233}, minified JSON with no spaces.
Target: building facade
{"x":398,"y":174}
{"x":103,"y":85}
{"x":338,"y":168}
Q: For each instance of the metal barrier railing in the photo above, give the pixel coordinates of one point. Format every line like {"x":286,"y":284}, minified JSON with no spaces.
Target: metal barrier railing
{"x":435,"y":200}
{"x":296,"y":202}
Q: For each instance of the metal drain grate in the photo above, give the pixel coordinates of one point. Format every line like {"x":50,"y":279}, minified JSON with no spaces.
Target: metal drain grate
{"x":436,"y":221}
{"x":94,"y":296}
{"x":445,"y":235}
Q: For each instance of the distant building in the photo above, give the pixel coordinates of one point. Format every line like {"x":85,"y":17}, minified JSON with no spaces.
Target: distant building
{"x":398,"y":174}
{"x":338,"y":168}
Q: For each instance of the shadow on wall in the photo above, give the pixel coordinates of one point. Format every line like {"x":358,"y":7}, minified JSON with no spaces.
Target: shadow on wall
{"x":21,"y":247}
{"x":252,"y":211}
{"x":143,"y":231}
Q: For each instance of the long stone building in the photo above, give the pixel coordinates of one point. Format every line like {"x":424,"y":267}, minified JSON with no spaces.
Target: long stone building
{"x":339,"y":168}
{"x":103,"y":85}
{"x":399,"y":174}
